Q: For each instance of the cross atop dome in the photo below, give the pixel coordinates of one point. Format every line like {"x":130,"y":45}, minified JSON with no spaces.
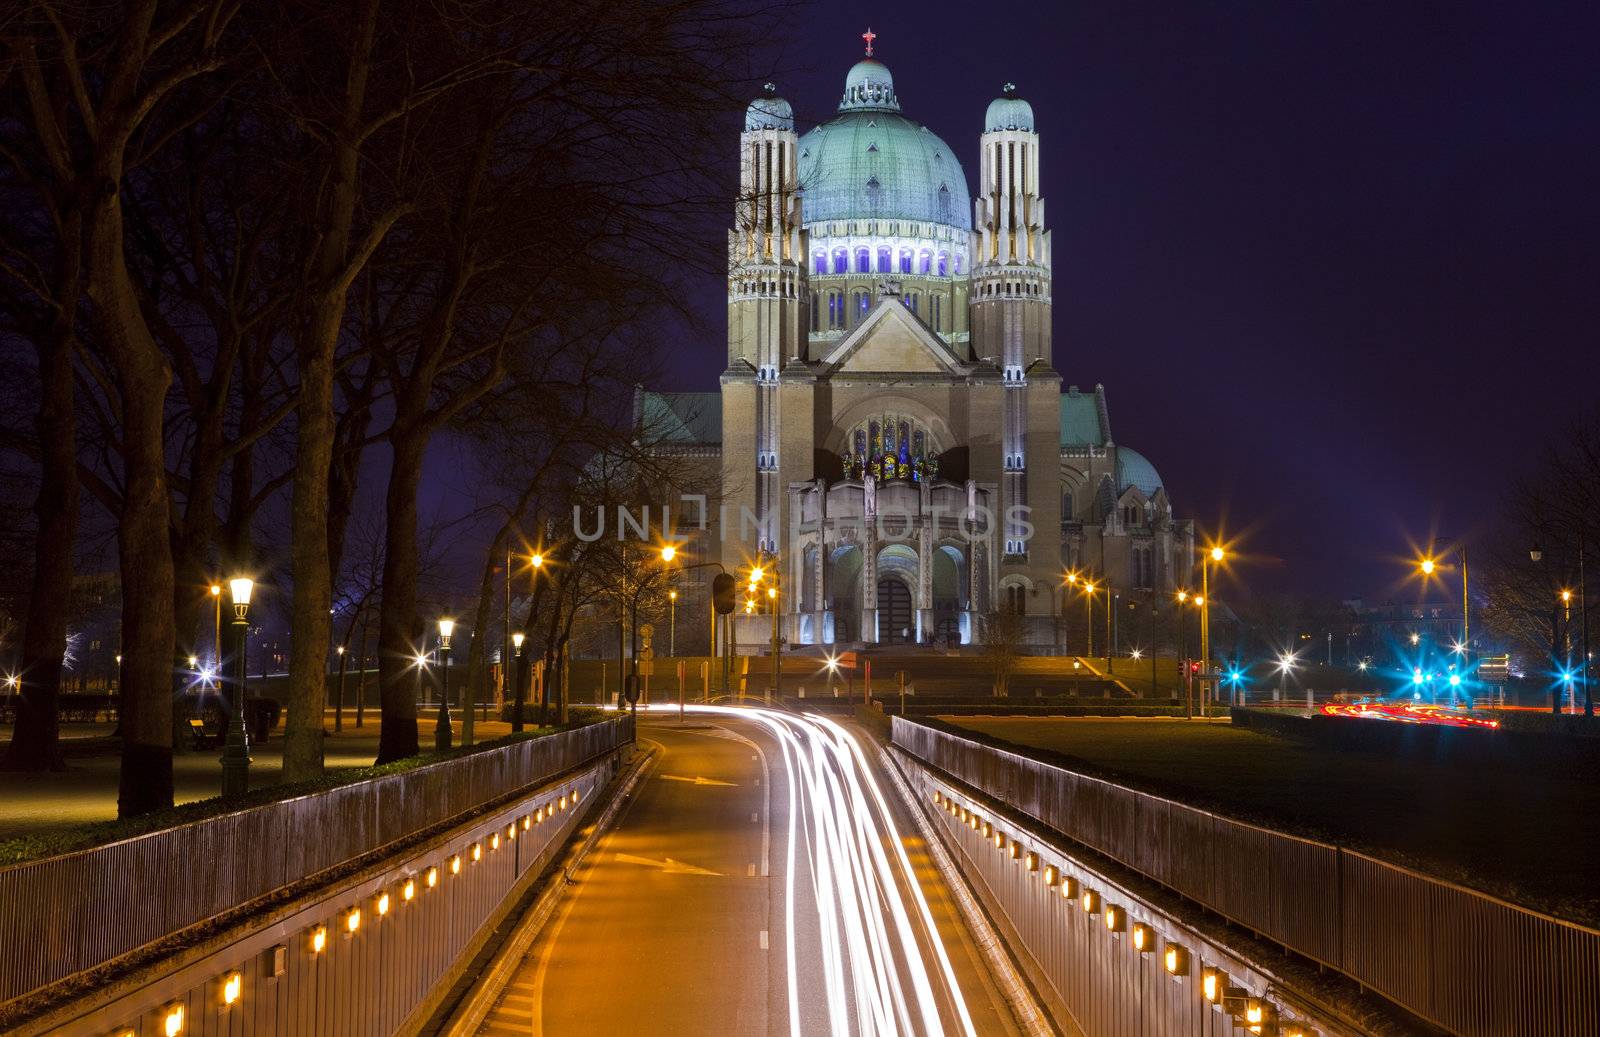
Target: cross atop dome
{"x":869,"y":36}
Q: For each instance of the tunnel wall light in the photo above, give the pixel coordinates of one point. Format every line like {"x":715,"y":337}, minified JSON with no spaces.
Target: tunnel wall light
{"x":408,"y":891}
{"x":1144,"y":938}
{"x":430,"y":878}
{"x":1052,"y":874}
{"x":172,"y":1019}
{"x":352,"y":921}
{"x":232,"y":986}
{"x":1031,"y":861}
{"x":1213,"y":984}
{"x":380,"y":904}
{"x":1016,"y":850}
{"x":1090,"y":902}
{"x":319,"y":939}
{"x":1069,"y":888}
{"x":1116,"y":918}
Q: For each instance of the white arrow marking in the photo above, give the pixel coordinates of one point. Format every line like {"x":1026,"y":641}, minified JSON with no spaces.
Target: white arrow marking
{"x":699,"y":780}
{"x":668,"y":866}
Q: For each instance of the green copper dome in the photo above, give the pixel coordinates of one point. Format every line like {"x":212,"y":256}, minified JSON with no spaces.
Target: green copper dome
{"x":870,"y":162}
{"x":1008,"y":112}
{"x":1134,"y":469}
{"x":769,"y":112}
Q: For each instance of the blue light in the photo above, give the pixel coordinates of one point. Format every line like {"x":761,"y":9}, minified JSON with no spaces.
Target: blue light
{"x":1455,"y":680}
{"x":1416,"y":676}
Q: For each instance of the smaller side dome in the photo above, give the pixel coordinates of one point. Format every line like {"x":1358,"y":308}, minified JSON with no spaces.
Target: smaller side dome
{"x":769,"y":112}
{"x":1008,"y":112}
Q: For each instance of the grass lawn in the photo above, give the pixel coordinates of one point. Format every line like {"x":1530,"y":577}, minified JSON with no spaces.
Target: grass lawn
{"x":1531,"y":839}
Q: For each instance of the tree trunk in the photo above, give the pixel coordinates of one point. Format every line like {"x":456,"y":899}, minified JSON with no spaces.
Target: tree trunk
{"x":35,"y":739}
{"x":313,"y":577}
{"x":398,"y":624}
{"x":478,"y":656}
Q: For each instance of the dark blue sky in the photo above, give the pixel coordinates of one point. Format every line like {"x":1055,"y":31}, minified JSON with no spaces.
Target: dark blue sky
{"x":1335,"y":263}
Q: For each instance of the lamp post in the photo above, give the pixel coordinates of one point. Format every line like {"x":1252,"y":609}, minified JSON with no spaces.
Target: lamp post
{"x":516,"y":708}
{"x":216,"y":630}
{"x":772,"y":598}
{"x":672,"y":622}
{"x":1215,"y":554}
{"x":1427,"y":567}
{"x":442,"y":735}
{"x":1088,"y":626}
{"x":338,"y":693}
{"x":1537,"y":554}
{"x":236,"y":751}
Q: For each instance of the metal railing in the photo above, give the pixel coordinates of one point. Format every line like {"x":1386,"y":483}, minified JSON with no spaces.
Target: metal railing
{"x":62,"y":915}
{"x":1464,"y":960}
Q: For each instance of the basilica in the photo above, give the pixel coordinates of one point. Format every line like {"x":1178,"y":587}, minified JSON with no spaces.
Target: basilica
{"x":891,"y":413}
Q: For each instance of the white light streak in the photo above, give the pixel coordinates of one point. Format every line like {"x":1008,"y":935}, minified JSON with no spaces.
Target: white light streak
{"x":882,"y":960}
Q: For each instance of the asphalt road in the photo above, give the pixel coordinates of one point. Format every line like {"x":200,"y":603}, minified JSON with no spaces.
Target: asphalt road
{"x":763,"y":881}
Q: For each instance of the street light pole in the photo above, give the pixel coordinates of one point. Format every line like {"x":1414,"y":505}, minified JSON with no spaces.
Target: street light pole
{"x":772,"y":597}
{"x":442,"y":735}
{"x":236,"y":752}
{"x":517,"y":695}
{"x":672,"y":623}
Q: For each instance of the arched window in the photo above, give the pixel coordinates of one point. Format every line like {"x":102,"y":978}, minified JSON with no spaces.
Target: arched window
{"x":814,"y":317}
{"x":821,"y":262}
{"x":863,"y":261}
{"x":863,"y":304}
{"x":885,"y":260}
{"x":933,"y":310}
{"x":960,"y":265}
{"x":926,"y":264}
{"x":1015,"y":599}
{"x":841,"y":261}
{"x":944,"y":203}
{"x":836,"y":313}
{"x":905,"y":261}
{"x":944,"y":264}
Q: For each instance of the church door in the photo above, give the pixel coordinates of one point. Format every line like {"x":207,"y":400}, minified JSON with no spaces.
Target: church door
{"x":896,"y":622}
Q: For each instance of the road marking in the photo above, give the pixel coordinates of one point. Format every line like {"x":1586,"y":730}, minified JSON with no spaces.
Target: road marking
{"x":668,"y":866}
{"x":702,"y":781}
{"x":763,"y":939}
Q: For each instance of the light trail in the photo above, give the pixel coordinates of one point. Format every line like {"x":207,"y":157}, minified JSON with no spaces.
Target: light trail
{"x":1408,"y":713}
{"x":873,"y":919}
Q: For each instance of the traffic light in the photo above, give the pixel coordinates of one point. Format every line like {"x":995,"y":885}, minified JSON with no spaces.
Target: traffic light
{"x":722,"y":593}
{"x":1194,"y":667}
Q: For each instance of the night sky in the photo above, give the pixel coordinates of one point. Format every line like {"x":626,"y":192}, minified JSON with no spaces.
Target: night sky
{"x":1335,"y":263}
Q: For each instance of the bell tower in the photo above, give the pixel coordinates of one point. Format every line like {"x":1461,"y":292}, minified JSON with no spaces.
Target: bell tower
{"x":767,"y":289}
{"x":1010,"y":291}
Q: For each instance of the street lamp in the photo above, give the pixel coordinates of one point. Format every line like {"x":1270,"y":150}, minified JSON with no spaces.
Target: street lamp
{"x":516,"y":709}
{"x":216,"y":630}
{"x":1286,"y":662}
{"x":772,"y":597}
{"x":236,"y":751}
{"x":338,"y":692}
{"x":1088,"y":602}
{"x":1213,"y":556}
{"x":1427,"y":566}
{"x":1536,"y":554}
{"x":442,"y":735}
{"x":672,"y":616}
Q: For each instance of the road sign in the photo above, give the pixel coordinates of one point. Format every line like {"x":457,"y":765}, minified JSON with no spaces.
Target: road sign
{"x":1494,"y":669}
